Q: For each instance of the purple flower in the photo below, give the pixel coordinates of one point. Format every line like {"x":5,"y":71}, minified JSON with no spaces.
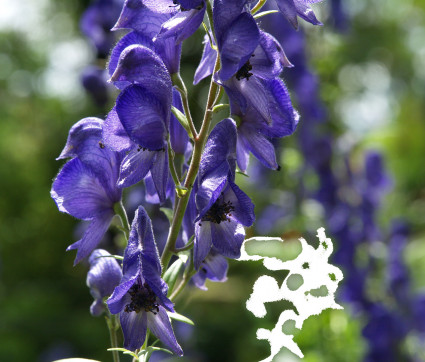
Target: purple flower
{"x":141,"y":298}
{"x":214,"y":267}
{"x":104,"y":275}
{"x":293,"y":8}
{"x":140,"y":121}
{"x":146,"y":25}
{"x":86,"y":186}
{"x":223,"y":207}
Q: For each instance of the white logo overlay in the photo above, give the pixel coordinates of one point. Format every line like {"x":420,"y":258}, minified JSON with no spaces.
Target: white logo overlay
{"x":312,"y":266}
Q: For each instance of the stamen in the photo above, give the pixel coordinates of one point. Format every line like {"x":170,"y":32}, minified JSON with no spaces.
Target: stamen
{"x":142,"y":298}
{"x":244,"y":72}
{"x":219,"y":211}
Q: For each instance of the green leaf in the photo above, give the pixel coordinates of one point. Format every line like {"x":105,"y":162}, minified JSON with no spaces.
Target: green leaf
{"x":180,"y":318}
{"x":168,"y":213}
{"x":118,"y":257}
{"x":172,"y":273}
{"x":125,"y":351}
{"x":182,"y":119}
{"x":151,"y":349}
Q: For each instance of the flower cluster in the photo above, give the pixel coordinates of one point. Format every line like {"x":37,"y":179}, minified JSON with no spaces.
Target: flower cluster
{"x":149,"y":135}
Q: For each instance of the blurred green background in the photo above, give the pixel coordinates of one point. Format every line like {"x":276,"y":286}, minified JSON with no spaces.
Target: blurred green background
{"x":373,"y":84}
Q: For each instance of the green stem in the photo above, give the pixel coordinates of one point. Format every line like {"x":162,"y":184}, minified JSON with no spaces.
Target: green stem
{"x":258,"y":6}
{"x":171,"y":164}
{"x":188,"y":246}
{"x":111,"y":321}
{"x":199,"y":143}
{"x":181,"y":87}
{"x":188,"y":274}
{"x":120,"y":211}
{"x":210,"y":19}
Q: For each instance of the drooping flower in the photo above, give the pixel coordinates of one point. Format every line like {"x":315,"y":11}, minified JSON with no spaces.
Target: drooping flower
{"x":223,"y":208}
{"x":214,"y":267}
{"x":104,"y":275}
{"x":140,"y":121}
{"x":141,"y":298}
{"x":86,"y":186}
{"x":146,"y":25}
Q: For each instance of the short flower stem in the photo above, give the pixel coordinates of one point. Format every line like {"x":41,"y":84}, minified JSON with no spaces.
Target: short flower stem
{"x":181,"y":87}
{"x":258,"y":6}
{"x":111,"y":321}
{"x":120,"y":211}
{"x":199,"y":144}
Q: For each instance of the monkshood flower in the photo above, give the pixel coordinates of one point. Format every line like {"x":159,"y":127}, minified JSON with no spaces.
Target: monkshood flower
{"x":97,"y":21}
{"x":223,"y":208}
{"x":86,"y":186}
{"x":104,"y":275}
{"x":139,"y":123}
{"x":141,"y":298}
{"x":214,"y":267}
{"x":293,"y":8}
{"x":146,"y":25}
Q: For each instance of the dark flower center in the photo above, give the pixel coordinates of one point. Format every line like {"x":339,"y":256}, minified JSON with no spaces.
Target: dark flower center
{"x":220,"y":211}
{"x":244,"y":71}
{"x":142,"y":298}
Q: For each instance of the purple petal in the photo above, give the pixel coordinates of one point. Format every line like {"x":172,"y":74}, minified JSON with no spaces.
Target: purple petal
{"x":143,"y":116}
{"x":114,"y":135}
{"x":135,"y":166}
{"x":216,"y":266}
{"x":220,"y":147}
{"x":206,"y":66}
{"x":169,"y":52}
{"x":238,"y":44}
{"x":288,"y":9}
{"x":120,"y":297}
{"x":182,"y":25}
{"x":260,"y":147}
{"x":159,"y":324}
{"x":141,"y":65}
{"x":268,"y":57}
{"x":225,"y":12}
{"x":92,"y":237}
{"x":306,"y":12}
{"x":104,"y":274}
{"x":227,"y":238}
{"x":178,"y":135}
{"x":161,"y":6}
{"x":203,"y":242}
{"x":78,"y":192}
{"x":134,"y":326}
{"x":242,"y":154}
{"x":244,"y":208}
{"x":82,"y":135}
{"x":135,"y":15}
{"x":160,"y":172}
{"x":133,"y":38}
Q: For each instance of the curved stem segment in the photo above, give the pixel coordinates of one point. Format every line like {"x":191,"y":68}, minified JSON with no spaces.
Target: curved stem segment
{"x":199,"y":143}
{"x":258,"y":6}
{"x":120,"y":211}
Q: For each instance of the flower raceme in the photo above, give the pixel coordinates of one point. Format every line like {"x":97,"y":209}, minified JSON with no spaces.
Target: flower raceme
{"x":141,"y":297}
